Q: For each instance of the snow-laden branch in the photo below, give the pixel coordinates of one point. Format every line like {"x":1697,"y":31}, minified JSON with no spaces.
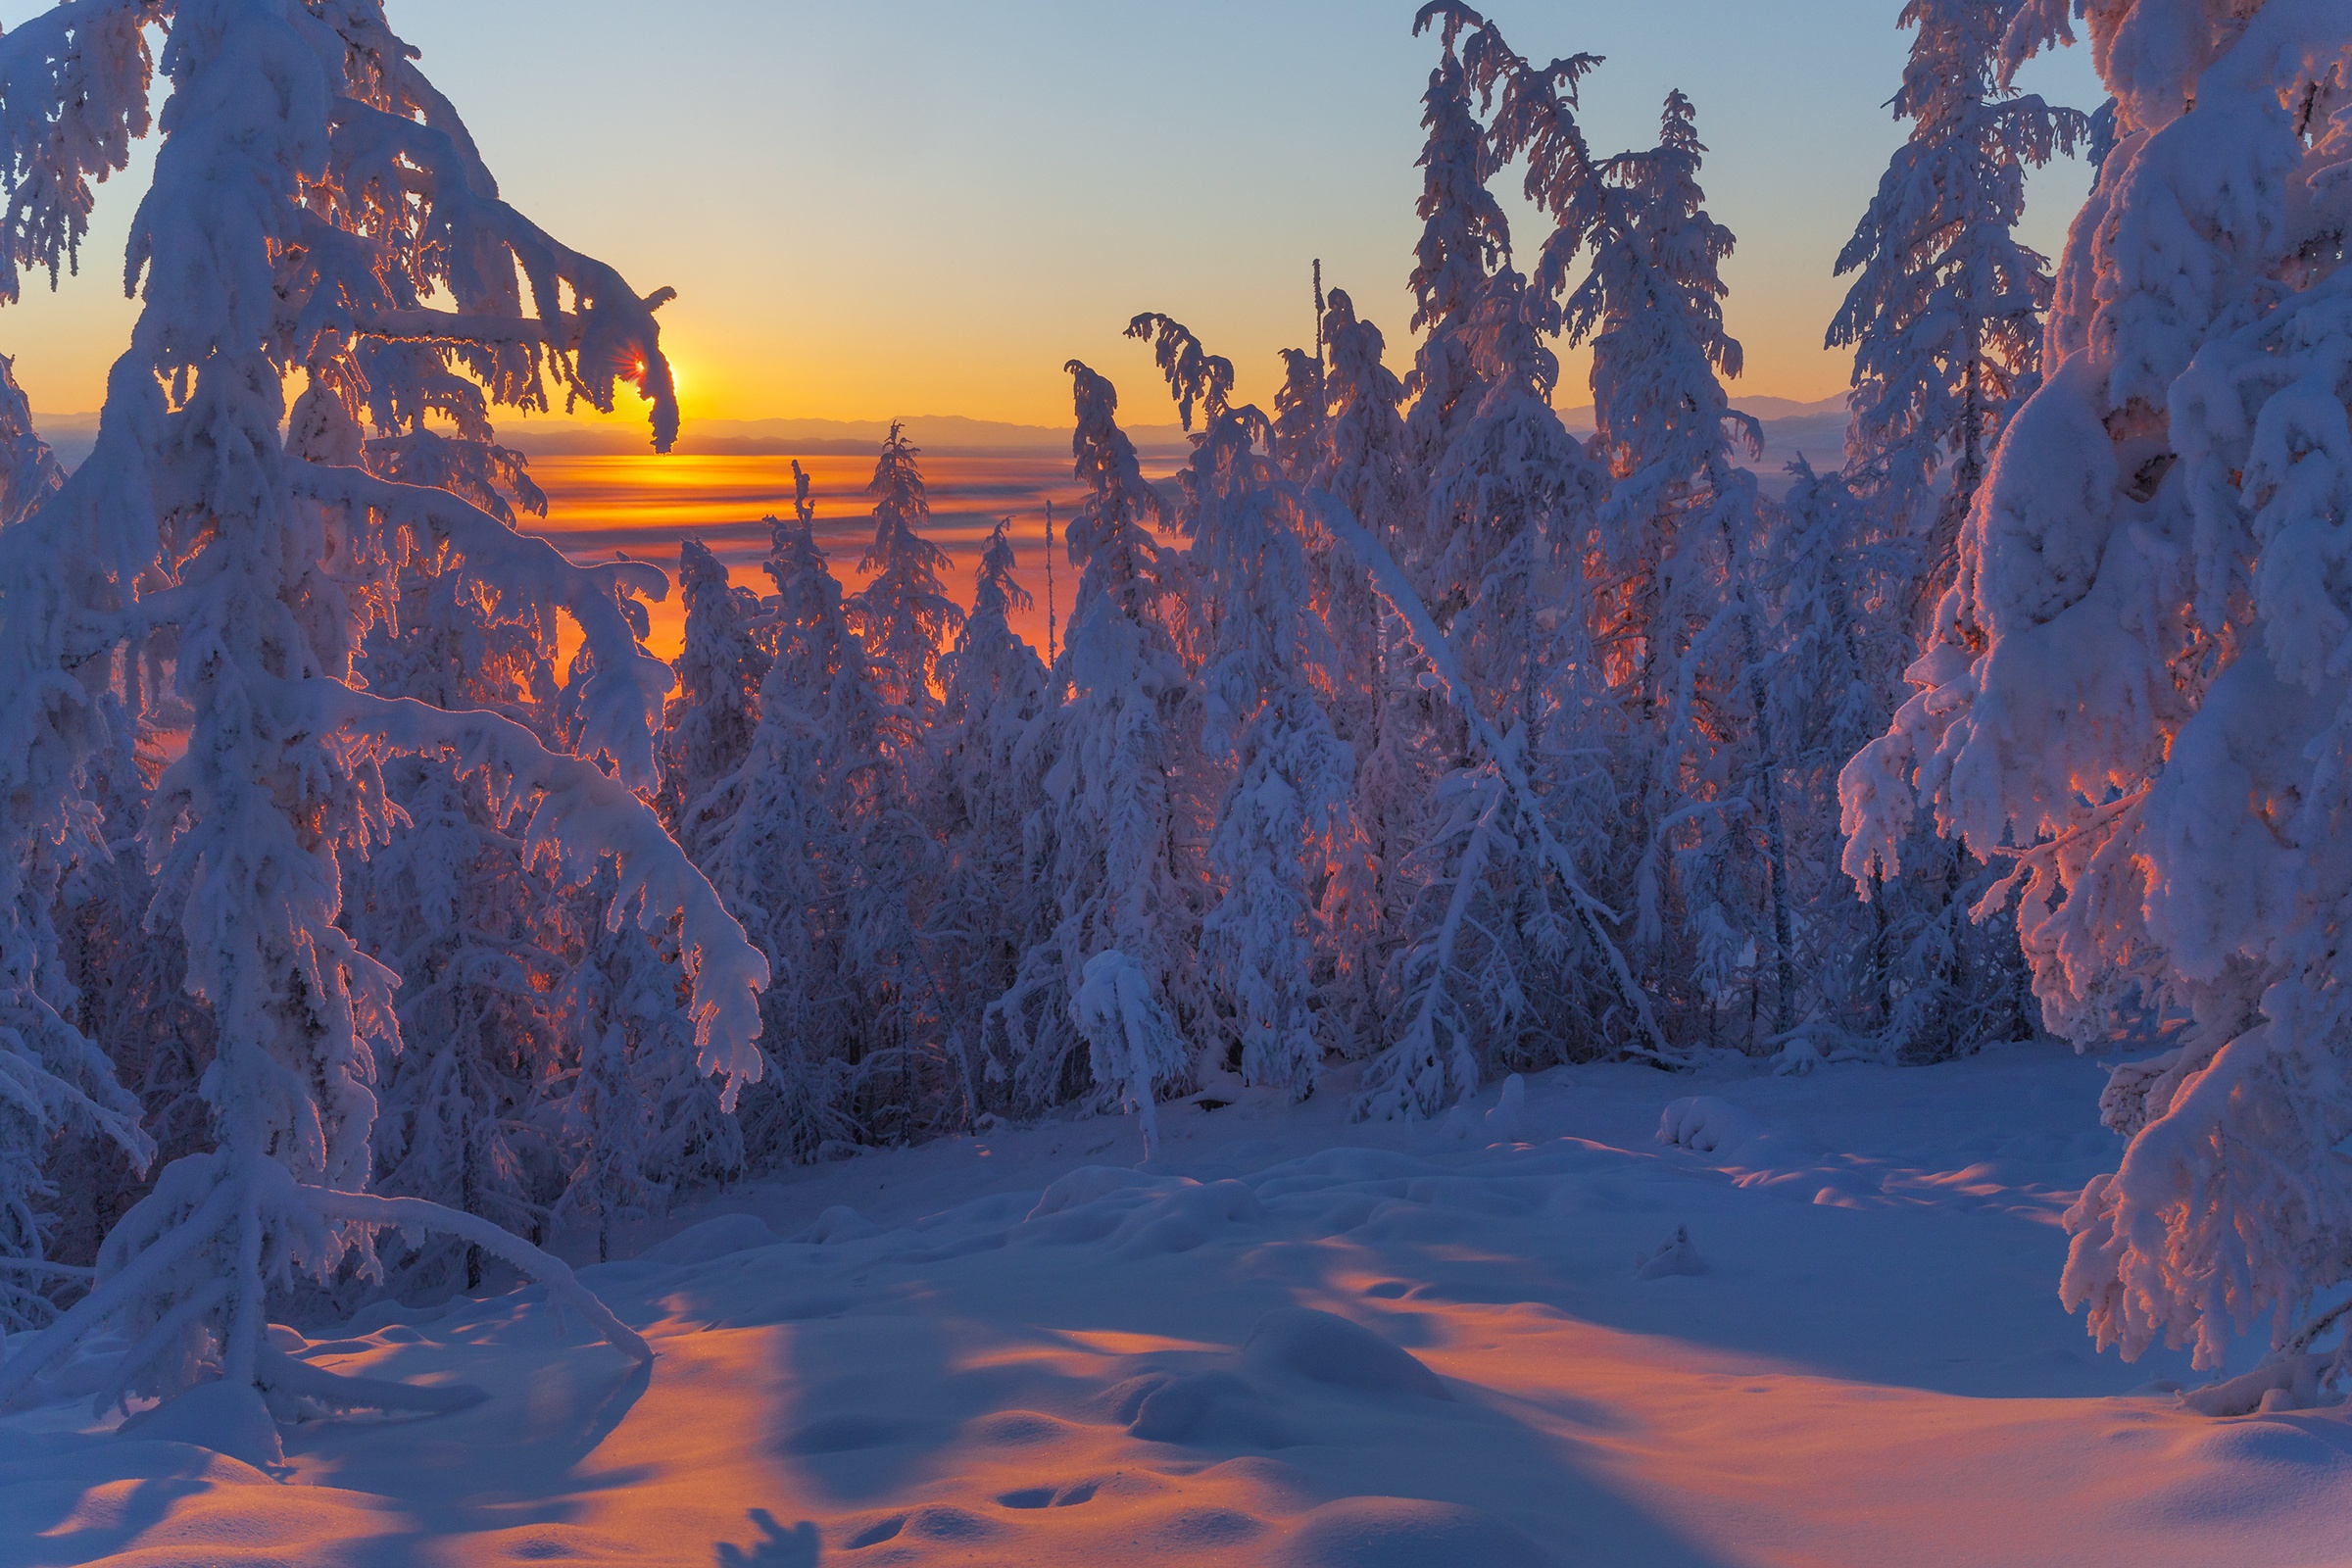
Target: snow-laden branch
{"x":1133,"y":1046}
{"x":281,"y":1374}
{"x":562,"y":1286}
{"x":621,"y":702}
{"x":73,"y":91}
{"x":247,"y":1199}
{"x":616,"y":337}
{"x":1391,"y":583}
{"x":147,"y":1269}
{"x":421,"y":325}
{"x":585,"y":814}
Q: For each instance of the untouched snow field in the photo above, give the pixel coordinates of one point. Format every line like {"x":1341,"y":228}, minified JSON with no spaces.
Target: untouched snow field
{"x":1293,"y":1341}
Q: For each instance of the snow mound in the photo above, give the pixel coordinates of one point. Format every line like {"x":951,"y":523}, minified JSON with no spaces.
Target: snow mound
{"x":1187,"y":1218}
{"x":1088,"y":1183}
{"x":1707,"y":1125}
{"x":1407,"y":1533}
{"x":1204,"y":1410}
{"x":1504,"y":1122}
{"x":389,"y":1313}
{"x":1322,"y":1348}
{"x":838,"y":1224}
{"x":712,"y":1238}
{"x":1674,"y":1255}
{"x":231,"y":1421}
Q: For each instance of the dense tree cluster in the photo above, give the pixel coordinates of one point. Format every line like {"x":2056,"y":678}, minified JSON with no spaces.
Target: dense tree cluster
{"x":1400,"y":740}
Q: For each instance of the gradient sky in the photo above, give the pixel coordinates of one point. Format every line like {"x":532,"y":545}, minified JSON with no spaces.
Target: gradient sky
{"x":926,"y":205}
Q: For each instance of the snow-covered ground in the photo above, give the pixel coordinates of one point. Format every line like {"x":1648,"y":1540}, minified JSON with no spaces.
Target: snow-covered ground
{"x":1290,"y":1341}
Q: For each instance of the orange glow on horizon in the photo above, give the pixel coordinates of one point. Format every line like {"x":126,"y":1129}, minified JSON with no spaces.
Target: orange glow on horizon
{"x":643,"y":506}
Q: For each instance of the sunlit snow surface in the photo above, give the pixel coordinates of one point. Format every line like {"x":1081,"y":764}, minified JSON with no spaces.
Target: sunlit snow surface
{"x":1021,"y":1350}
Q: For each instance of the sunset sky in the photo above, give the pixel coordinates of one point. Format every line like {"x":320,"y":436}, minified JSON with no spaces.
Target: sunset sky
{"x":925,"y":207}
{"x":909,"y":207}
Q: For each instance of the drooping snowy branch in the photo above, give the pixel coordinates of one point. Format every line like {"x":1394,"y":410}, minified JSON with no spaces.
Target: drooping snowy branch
{"x":73,"y":92}
{"x":584,"y":814}
{"x":621,"y":705}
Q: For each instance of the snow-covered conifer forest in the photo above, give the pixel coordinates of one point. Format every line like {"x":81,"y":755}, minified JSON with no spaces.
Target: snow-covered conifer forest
{"x":1458,"y":900}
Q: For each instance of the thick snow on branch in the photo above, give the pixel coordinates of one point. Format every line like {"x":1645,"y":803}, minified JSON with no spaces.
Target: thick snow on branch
{"x":2137,"y":683}
{"x":1133,"y":1046}
{"x":73,"y":90}
{"x":584,"y":816}
{"x":562,"y":1286}
{"x":155,"y":1279}
{"x":28,"y":471}
{"x":621,"y":705}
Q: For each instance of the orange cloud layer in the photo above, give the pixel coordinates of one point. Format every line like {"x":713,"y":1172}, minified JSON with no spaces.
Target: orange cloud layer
{"x":642,"y":506}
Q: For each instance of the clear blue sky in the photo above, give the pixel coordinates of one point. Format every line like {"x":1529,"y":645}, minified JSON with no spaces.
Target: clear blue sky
{"x":926,"y":205}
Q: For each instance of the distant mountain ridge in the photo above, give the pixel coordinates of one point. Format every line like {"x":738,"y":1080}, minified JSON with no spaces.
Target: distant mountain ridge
{"x":944,"y":433}
{"x":1816,"y":429}
{"x":1772,"y":411}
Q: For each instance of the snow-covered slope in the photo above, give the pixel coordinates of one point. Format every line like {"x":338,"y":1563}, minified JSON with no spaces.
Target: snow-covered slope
{"x":1291,"y":1342}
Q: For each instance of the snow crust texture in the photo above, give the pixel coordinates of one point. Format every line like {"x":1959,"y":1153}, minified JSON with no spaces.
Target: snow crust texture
{"x":1414,"y":1350}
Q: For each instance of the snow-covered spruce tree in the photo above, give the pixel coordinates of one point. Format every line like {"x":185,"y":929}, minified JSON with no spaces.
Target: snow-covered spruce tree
{"x":2137,"y":690}
{"x":311,"y":188}
{"x":819,"y":858}
{"x":1497,"y":957}
{"x":1464,"y":237}
{"x":1119,"y":833}
{"x":60,"y":1099}
{"x":1945,"y":312}
{"x":1946,"y":320}
{"x":1907,"y":974}
{"x":650,"y":1121}
{"x":1495,"y":971}
{"x":777,"y":853}
{"x":1365,"y":464}
{"x":1678,"y":537}
{"x":1299,"y":442}
{"x":1526,"y":808}
{"x":28,"y":471}
{"x":1286,"y":851}
{"x":903,"y":613}
{"x":1298,"y":434}
{"x":480,"y":933}
{"x":1533,"y":120}
{"x":708,"y":723}
{"x":1378,"y":704}
{"x":61,"y":1103}
{"x":1300,"y":439}
{"x":980,"y":800}
{"x":606,"y":1117}
{"x":907,"y":1085}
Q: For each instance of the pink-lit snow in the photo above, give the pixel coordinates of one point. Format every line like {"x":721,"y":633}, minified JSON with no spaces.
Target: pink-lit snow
{"x":1290,"y":1341}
